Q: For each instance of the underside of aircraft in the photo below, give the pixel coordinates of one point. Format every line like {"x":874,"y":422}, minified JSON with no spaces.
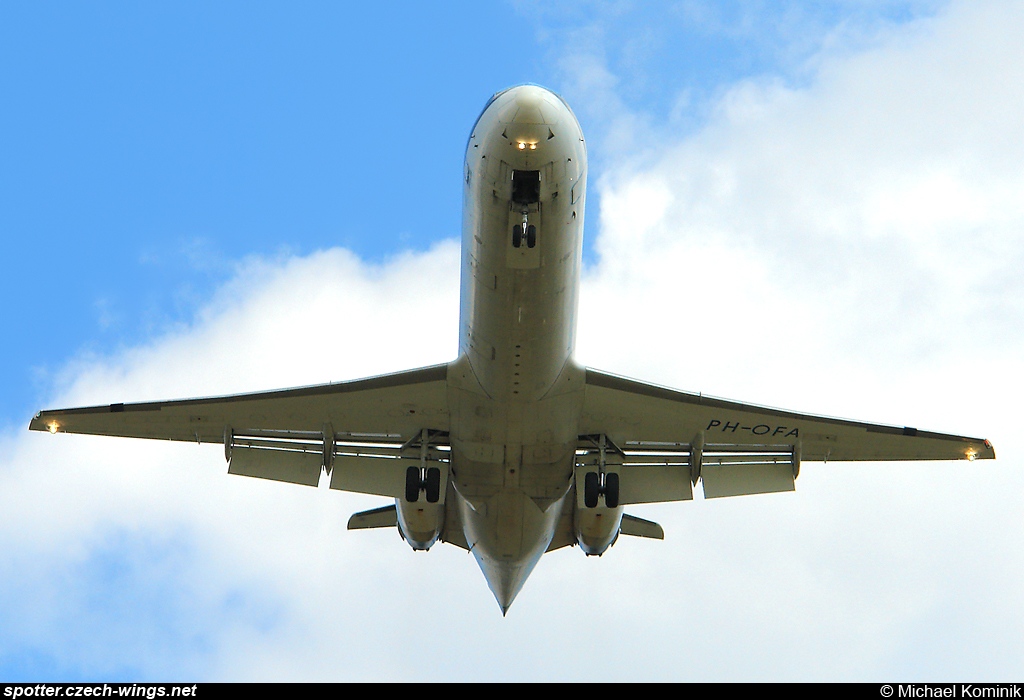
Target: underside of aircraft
{"x":512,"y":449}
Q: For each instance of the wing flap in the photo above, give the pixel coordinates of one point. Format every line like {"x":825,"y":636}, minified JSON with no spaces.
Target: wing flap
{"x":741,"y":480}
{"x":292,"y":467}
{"x":654,"y":484}
{"x":378,"y":476}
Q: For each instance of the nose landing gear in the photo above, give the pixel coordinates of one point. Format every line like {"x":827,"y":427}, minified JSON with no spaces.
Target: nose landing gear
{"x":524,"y":234}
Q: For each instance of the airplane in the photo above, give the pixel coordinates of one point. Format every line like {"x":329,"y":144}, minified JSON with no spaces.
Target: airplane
{"x":513,"y":449}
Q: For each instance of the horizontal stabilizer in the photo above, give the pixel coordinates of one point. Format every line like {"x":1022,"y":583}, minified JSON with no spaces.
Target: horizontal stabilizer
{"x":378,"y":517}
{"x":638,"y":527}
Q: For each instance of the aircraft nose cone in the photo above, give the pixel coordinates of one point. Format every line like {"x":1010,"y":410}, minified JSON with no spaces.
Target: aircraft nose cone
{"x":531,"y":104}
{"x":529,"y":110}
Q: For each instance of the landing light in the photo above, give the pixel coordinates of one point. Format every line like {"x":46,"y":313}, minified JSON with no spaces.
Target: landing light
{"x":972,"y":455}
{"x":522,"y":146}
{"x":52,"y":427}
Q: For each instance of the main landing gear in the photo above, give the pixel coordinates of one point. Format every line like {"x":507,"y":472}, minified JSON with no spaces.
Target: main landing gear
{"x":598,"y":512}
{"x":426,"y":481}
{"x":602,"y":482}
{"x":423,"y":479}
{"x":594,"y":485}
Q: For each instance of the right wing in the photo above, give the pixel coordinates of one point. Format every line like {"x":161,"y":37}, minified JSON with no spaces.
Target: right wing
{"x":366,"y":427}
{"x":736,"y":448}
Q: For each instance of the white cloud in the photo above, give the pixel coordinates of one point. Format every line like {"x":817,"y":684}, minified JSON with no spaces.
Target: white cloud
{"x":850,"y":248}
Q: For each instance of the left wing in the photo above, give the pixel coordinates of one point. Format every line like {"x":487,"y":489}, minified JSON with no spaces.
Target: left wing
{"x":737,"y":448}
{"x":290,"y":435}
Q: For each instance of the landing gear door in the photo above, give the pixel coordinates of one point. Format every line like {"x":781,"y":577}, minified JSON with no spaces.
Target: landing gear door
{"x":525,"y":229}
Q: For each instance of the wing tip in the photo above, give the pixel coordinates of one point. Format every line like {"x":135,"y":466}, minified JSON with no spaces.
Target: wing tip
{"x":988,"y":452}
{"x":39,"y":423}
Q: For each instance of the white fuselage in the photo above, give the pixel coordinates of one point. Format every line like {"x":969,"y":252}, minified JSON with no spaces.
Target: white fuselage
{"x":515,"y":394}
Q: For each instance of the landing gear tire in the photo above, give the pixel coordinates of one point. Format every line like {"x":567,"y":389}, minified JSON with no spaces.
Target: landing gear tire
{"x":412,"y":484}
{"x":591,"y":488}
{"x":432,"y":485}
{"x":517,"y":236}
{"x":611,"y":490}
{"x":531,"y":236}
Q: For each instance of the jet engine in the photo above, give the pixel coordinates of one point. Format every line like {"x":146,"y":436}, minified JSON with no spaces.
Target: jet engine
{"x":597,"y":515}
{"x":421,"y":511}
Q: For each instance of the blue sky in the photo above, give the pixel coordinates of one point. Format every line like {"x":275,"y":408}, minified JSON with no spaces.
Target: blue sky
{"x":187,"y":189}
{"x":152,"y":147}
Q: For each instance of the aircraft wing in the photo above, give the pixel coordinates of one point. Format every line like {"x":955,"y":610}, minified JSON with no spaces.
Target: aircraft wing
{"x":736,"y":448}
{"x":367,"y":425}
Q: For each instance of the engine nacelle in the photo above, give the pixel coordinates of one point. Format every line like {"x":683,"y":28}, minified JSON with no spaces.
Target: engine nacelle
{"x":597,"y":515}
{"x":420,"y":522}
{"x":421,"y":510}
